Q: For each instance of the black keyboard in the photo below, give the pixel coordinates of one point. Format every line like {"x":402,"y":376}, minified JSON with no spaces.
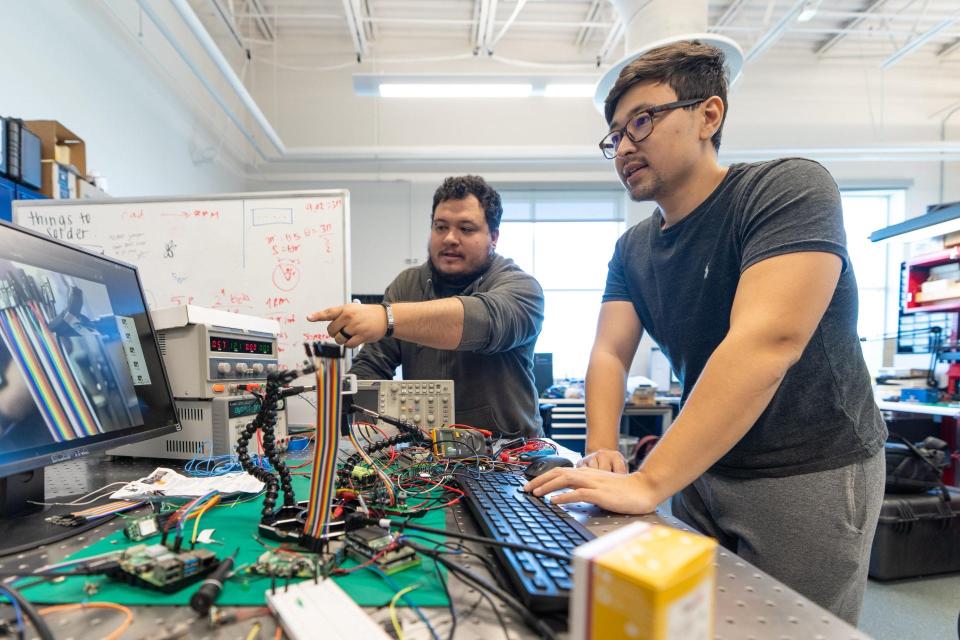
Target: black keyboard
{"x":505,"y":513}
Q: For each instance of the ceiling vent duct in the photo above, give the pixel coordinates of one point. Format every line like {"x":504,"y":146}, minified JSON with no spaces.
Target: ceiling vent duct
{"x":654,"y":23}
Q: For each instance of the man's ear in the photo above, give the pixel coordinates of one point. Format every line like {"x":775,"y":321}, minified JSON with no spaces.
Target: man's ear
{"x":713,"y":112}
{"x":495,"y":235}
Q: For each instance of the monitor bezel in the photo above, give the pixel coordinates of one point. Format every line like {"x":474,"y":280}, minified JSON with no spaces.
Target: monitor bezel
{"x":80,"y":450}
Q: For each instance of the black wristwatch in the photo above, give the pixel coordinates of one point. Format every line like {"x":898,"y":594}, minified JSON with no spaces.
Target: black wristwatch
{"x":389,"y":309}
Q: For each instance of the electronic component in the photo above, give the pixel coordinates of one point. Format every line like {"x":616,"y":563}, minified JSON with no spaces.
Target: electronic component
{"x":210,"y":428}
{"x":138,"y":529}
{"x":282,"y":563}
{"x":210,"y":590}
{"x":425,"y":403}
{"x":80,"y":518}
{"x":458,"y":443}
{"x":210,"y":353}
{"x":213,"y":358}
{"x":310,"y":609}
{"x":378,"y":544}
{"x":157,"y":567}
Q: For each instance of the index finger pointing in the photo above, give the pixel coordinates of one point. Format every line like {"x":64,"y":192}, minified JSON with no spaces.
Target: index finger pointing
{"x":327,"y":314}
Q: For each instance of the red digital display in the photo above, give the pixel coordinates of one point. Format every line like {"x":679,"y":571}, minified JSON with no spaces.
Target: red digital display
{"x":235,"y":345}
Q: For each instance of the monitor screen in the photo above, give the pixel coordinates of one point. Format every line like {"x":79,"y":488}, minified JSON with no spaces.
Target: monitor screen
{"x":80,"y":370}
{"x":543,"y":371}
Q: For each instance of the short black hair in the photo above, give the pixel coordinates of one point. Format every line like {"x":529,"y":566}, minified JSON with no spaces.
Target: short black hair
{"x":691,"y":68}
{"x":459,"y":187}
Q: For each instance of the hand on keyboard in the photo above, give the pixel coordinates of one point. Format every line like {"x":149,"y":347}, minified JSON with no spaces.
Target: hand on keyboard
{"x":611,"y":491}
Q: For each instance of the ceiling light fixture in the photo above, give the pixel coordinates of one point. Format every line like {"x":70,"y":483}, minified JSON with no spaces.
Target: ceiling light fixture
{"x":454,"y":90}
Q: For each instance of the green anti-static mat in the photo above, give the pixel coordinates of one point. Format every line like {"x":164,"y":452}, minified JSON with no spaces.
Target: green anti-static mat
{"x":234,"y":526}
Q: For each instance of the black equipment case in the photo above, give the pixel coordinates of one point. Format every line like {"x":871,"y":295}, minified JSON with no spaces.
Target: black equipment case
{"x":918,"y":534}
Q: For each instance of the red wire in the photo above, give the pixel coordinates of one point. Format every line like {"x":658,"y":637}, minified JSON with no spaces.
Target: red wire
{"x":366,"y":563}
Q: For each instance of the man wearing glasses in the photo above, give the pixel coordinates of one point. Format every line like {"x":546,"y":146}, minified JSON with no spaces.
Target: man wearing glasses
{"x":742,"y":277}
{"x":467,"y":315}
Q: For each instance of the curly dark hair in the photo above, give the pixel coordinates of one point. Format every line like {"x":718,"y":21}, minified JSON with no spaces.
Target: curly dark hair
{"x":459,"y":187}
{"x":691,"y":68}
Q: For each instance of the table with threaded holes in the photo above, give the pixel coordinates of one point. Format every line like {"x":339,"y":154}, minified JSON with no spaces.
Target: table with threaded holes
{"x":749,"y":603}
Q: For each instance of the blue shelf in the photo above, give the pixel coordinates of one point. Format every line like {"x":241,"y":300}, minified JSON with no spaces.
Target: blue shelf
{"x":10,"y":191}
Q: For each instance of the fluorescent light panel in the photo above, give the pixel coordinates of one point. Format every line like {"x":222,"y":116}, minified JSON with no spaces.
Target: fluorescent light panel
{"x":459,"y":90}
{"x":474,"y":86}
{"x":563,"y":90}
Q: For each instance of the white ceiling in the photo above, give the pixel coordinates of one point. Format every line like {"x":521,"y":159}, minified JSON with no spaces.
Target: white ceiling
{"x":570,"y":31}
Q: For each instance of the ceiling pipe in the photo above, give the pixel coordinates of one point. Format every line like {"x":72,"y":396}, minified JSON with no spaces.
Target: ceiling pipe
{"x":922,"y":151}
{"x":196,"y":27}
{"x":165,"y":32}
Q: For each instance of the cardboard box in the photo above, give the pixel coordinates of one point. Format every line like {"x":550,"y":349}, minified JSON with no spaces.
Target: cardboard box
{"x":88,"y":191}
{"x":644,"y":581}
{"x":59,"y":182}
{"x":52,"y":133}
{"x":61,"y":153}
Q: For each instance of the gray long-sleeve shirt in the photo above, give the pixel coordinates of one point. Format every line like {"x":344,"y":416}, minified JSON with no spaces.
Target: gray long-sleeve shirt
{"x":492,"y":368}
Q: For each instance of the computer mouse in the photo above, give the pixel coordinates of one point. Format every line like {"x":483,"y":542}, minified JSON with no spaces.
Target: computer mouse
{"x":544,"y":464}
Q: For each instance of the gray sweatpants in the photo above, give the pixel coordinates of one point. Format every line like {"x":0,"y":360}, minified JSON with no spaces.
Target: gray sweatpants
{"x":812,"y":532}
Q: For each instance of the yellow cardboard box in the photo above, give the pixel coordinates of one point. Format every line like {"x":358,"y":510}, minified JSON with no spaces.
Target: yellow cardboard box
{"x":644,"y":582}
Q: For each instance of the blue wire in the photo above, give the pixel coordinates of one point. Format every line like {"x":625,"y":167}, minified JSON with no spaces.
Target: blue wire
{"x":212,"y":466}
{"x":393,"y":585}
{"x":16,"y":609}
{"x":199,"y":503}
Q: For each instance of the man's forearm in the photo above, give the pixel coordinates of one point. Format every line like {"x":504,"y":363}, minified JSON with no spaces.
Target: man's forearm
{"x":434,"y":323}
{"x":604,"y":392}
{"x":736,"y":385}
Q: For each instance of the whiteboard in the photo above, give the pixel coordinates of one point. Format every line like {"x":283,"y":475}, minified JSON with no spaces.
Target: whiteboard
{"x":278,"y":255}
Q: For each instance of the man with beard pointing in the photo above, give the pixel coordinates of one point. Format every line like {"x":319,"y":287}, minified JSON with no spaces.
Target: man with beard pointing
{"x":467,"y":315}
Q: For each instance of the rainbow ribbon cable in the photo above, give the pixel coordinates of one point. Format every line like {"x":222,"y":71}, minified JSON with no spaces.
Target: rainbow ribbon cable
{"x":59,"y":399}
{"x":323,"y":481}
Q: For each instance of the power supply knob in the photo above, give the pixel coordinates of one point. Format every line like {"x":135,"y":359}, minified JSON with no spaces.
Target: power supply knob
{"x":258,"y":368}
{"x":241,"y":367}
{"x":224,"y":367}
{"x":271,"y":368}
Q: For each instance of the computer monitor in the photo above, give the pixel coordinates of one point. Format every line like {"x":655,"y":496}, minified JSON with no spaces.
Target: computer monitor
{"x":542,"y":371}
{"x":80,"y":370}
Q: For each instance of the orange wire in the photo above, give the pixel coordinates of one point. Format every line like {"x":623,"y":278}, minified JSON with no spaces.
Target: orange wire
{"x":96,"y":605}
{"x":278,"y":633}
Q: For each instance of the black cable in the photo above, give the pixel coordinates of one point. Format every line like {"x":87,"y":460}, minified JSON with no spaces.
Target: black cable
{"x":43,"y":631}
{"x":446,"y":590}
{"x":461,"y":549}
{"x":479,"y":582}
{"x":406,"y":524}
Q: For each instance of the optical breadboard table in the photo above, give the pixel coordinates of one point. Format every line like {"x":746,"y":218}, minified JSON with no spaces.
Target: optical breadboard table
{"x":749,"y":603}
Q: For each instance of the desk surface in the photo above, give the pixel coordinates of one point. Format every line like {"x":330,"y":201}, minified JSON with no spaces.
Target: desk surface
{"x":750,"y":604}
{"x":939,"y":409}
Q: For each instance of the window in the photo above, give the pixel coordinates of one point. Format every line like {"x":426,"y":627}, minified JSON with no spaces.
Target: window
{"x":565,"y":240}
{"x":876,"y":270}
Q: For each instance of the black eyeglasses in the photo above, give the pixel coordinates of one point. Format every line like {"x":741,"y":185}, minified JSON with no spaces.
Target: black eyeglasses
{"x":639,"y":126}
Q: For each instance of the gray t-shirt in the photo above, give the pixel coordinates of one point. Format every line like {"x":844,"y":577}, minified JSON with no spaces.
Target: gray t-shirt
{"x":682,"y":281}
